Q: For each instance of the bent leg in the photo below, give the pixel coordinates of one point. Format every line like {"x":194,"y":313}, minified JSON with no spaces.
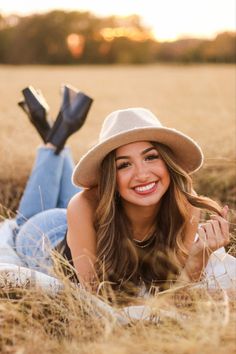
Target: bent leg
{"x":38,"y":236}
{"x":67,"y":189}
{"x":43,"y":187}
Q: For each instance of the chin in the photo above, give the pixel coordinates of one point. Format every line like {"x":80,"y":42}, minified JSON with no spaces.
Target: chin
{"x":143,"y":201}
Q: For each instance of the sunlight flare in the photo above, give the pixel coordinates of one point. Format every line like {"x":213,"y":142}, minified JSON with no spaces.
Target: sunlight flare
{"x":109,"y":34}
{"x":75,"y":43}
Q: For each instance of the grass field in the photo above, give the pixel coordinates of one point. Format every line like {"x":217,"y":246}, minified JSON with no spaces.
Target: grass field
{"x":197,"y":99}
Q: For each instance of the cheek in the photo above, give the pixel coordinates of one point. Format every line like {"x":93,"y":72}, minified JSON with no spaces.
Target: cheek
{"x":165,"y":175}
{"x":167,"y":180}
{"x":121,"y":181}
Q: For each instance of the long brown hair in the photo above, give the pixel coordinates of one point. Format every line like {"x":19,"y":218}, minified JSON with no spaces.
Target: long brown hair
{"x":119,"y":260}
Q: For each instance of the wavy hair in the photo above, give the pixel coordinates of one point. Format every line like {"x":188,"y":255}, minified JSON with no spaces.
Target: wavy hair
{"x":119,"y":260}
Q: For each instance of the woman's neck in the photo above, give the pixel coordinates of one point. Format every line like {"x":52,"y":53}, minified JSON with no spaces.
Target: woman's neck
{"x":142,"y":219}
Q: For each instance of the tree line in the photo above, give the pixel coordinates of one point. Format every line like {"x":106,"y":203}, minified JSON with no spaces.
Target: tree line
{"x":60,"y":37}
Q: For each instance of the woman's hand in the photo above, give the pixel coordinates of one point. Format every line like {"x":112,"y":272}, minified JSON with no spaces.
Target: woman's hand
{"x":211,"y":235}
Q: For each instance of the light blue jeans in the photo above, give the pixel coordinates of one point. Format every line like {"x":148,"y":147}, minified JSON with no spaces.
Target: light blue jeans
{"x":41,"y":217}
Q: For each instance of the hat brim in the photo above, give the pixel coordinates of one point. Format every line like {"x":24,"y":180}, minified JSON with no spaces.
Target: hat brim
{"x":186,"y":152}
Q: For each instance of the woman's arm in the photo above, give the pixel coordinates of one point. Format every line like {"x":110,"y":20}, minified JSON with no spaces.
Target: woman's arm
{"x":81,"y":236}
{"x":212,"y":235}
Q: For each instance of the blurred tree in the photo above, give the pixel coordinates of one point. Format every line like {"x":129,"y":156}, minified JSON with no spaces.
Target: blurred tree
{"x":181,"y":50}
{"x":60,"y":37}
{"x":39,"y":39}
{"x":221,"y":49}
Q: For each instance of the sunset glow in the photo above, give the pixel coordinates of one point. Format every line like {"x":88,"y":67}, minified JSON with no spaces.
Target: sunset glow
{"x":167,"y":19}
{"x":132,"y":33}
{"x":75,"y":43}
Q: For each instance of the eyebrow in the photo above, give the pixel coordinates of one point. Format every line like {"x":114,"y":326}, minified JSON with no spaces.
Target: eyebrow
{"x":142,"y":153}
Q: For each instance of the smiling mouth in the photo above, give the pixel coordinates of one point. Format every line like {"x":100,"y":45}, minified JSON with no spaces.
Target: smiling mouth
{"x":146,"y":189}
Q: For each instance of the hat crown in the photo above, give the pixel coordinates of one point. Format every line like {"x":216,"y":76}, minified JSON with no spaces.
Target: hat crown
{"x":124,"y":120}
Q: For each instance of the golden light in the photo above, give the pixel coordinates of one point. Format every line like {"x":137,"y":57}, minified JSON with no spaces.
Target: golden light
{"x":109,"y":34}
{"x":75,"y":43}
{"x":169,"y":19}
{"x":104,"y":48}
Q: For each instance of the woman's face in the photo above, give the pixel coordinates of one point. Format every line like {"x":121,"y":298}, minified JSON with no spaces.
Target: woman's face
{"x":142,"y":176}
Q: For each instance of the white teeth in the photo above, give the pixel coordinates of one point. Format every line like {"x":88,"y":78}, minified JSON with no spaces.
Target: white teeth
{"x":145,"y":188}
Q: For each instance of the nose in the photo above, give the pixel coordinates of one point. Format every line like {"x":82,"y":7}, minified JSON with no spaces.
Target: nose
{"x":141,"y":172}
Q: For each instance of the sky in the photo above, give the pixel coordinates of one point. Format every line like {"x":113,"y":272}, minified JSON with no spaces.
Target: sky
{"x":169,"y":19}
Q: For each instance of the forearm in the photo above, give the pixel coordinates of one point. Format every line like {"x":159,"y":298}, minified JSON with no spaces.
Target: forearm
{"x":86,"y":273}
{"x":195,"y":266}
{"x":211,"y":236}
{"x":91,"y":285}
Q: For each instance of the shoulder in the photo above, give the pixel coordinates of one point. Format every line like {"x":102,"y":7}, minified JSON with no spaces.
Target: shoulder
{"x":83,"y":202}
{"x":80,"y":219}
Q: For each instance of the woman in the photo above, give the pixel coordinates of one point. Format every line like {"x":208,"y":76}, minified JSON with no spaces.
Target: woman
{"x":137,"y":220}
{"x":135,"y":223}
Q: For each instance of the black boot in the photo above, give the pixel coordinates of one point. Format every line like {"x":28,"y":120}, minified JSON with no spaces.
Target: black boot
{"x":36,"y":107}
{"x":71,"y":117}
{"x":24,"y":106}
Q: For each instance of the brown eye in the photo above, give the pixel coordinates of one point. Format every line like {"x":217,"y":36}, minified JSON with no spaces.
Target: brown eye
{"x":151,"y":157}
{"x":122,"y":165}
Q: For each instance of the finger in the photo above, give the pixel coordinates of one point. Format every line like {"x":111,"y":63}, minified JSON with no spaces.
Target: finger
{"x":218,"y":217}
{"x":219,"y":237}
{"x":224,"y":225}
{"x":224,"y":211}
{"x":202,"y":241}
{"x":216,"y":227}
{"x":213,"y":240}
{"x":202,"y":231}
{"x":208,"y":229}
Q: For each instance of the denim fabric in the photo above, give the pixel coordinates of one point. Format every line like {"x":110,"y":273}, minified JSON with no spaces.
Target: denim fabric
{"x":42,"y":211}
{"x":38,"y":236}
{"x":49,"y":185}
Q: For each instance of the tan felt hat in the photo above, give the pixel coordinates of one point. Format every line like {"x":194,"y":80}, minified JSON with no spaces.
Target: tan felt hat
{"x":125,"y":126}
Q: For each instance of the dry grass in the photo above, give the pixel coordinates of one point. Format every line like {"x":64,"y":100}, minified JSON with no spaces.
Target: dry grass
{"x":200,"y":101}
{"x":183,"y":320}
{"x":188,"y":321}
